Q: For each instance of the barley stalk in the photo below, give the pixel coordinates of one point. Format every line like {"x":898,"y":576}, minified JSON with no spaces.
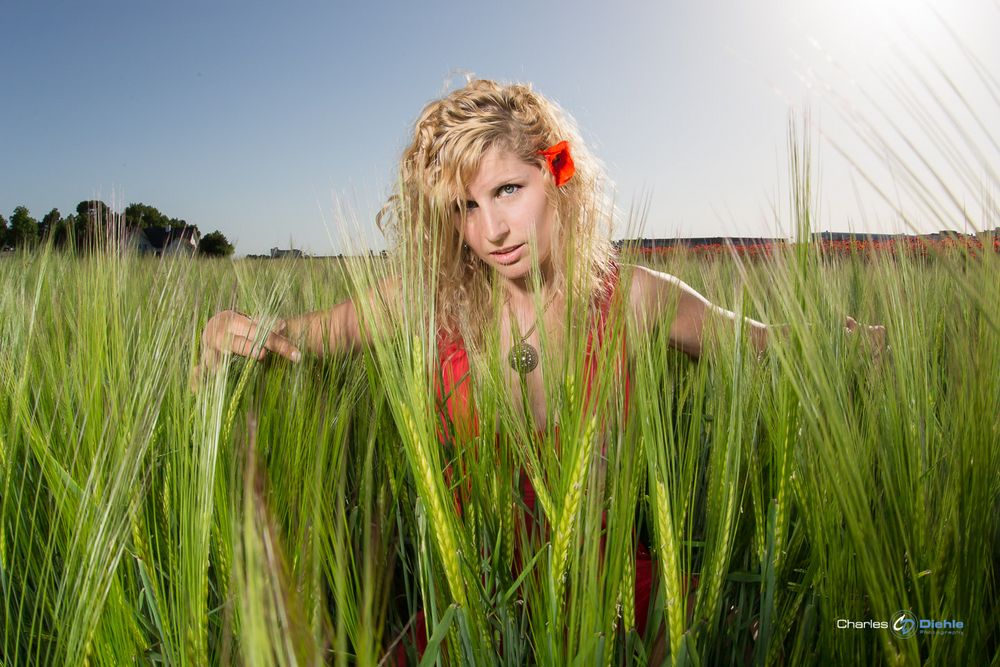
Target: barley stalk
{"x":565,"y":528}
{"x":675,"y":600}
{"x":441,"y":525}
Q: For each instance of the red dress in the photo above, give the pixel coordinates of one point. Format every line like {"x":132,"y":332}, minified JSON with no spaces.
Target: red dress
{"x":458,"y":414}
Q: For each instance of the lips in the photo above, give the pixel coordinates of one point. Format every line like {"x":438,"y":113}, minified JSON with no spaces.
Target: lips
{"x":508,"y":255}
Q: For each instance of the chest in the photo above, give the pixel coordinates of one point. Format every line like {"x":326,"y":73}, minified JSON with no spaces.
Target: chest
{"x":532,"y":394}
{"x":527,"y":390}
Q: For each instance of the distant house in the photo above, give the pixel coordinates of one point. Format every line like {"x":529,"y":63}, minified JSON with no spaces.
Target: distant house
{"x":277,"y":253}
{"x":160,"y":241}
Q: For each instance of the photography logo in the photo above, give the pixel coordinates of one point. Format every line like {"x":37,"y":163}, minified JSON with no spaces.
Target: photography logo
{"x":903,"y":624}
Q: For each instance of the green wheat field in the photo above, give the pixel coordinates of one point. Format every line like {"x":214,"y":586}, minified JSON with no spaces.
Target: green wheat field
{"x":304,"y":514}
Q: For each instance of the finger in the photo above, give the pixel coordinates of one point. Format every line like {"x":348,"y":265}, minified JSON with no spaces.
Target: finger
{"x":248,"y":346}
{"x":243,"y":326}
{"x":282,"y":346}
{"x":229,"y":338}
{"x":877,"y":334}
{"x":194,"y":380}
{"x":244,"y":346}
{"x":250,"y":329}
{"x":209,"y":359}
{"x":874,"y":330}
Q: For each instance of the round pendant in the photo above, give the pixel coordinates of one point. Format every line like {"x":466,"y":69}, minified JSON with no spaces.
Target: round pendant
{"x":523,"y":357}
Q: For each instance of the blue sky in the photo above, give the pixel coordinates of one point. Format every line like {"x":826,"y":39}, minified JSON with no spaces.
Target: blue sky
{"x":281,"y":123}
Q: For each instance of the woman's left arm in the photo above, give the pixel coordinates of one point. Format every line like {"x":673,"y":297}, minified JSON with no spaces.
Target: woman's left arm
{"x":655,"y":294}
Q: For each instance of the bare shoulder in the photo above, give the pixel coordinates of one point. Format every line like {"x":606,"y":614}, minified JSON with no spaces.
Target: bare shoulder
{"x":642,"y":286}
{"x":649,"y":288}
{"x":643,"y":278}
{"x":657,"y":296}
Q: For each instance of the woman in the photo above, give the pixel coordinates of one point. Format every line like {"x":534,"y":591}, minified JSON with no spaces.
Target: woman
{"x":497,"y":179}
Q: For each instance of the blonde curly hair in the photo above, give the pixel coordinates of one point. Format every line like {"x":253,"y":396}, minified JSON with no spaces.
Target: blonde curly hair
{"x":450,"y":137}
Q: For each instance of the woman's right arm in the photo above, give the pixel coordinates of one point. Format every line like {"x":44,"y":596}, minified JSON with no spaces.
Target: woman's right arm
{"x":321,"y":332}
{"x":232,"y":332}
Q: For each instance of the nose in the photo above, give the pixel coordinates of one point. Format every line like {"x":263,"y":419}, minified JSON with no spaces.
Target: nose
{"x":494,"y":224}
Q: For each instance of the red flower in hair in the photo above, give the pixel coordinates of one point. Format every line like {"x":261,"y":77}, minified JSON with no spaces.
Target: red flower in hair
{"x":560,"y":162}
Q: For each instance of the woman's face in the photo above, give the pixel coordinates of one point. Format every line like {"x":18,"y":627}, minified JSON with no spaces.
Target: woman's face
{"x":505,"y":207}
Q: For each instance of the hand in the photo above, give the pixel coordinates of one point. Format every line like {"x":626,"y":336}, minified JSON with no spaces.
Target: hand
{"x":874,"y":334}
{"x":232,"y":332}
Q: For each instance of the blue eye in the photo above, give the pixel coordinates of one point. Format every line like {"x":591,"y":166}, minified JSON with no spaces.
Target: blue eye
{"x":508,"y":189}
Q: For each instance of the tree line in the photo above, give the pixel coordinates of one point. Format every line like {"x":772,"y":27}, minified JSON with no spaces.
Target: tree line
{"x":79,"y":231}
